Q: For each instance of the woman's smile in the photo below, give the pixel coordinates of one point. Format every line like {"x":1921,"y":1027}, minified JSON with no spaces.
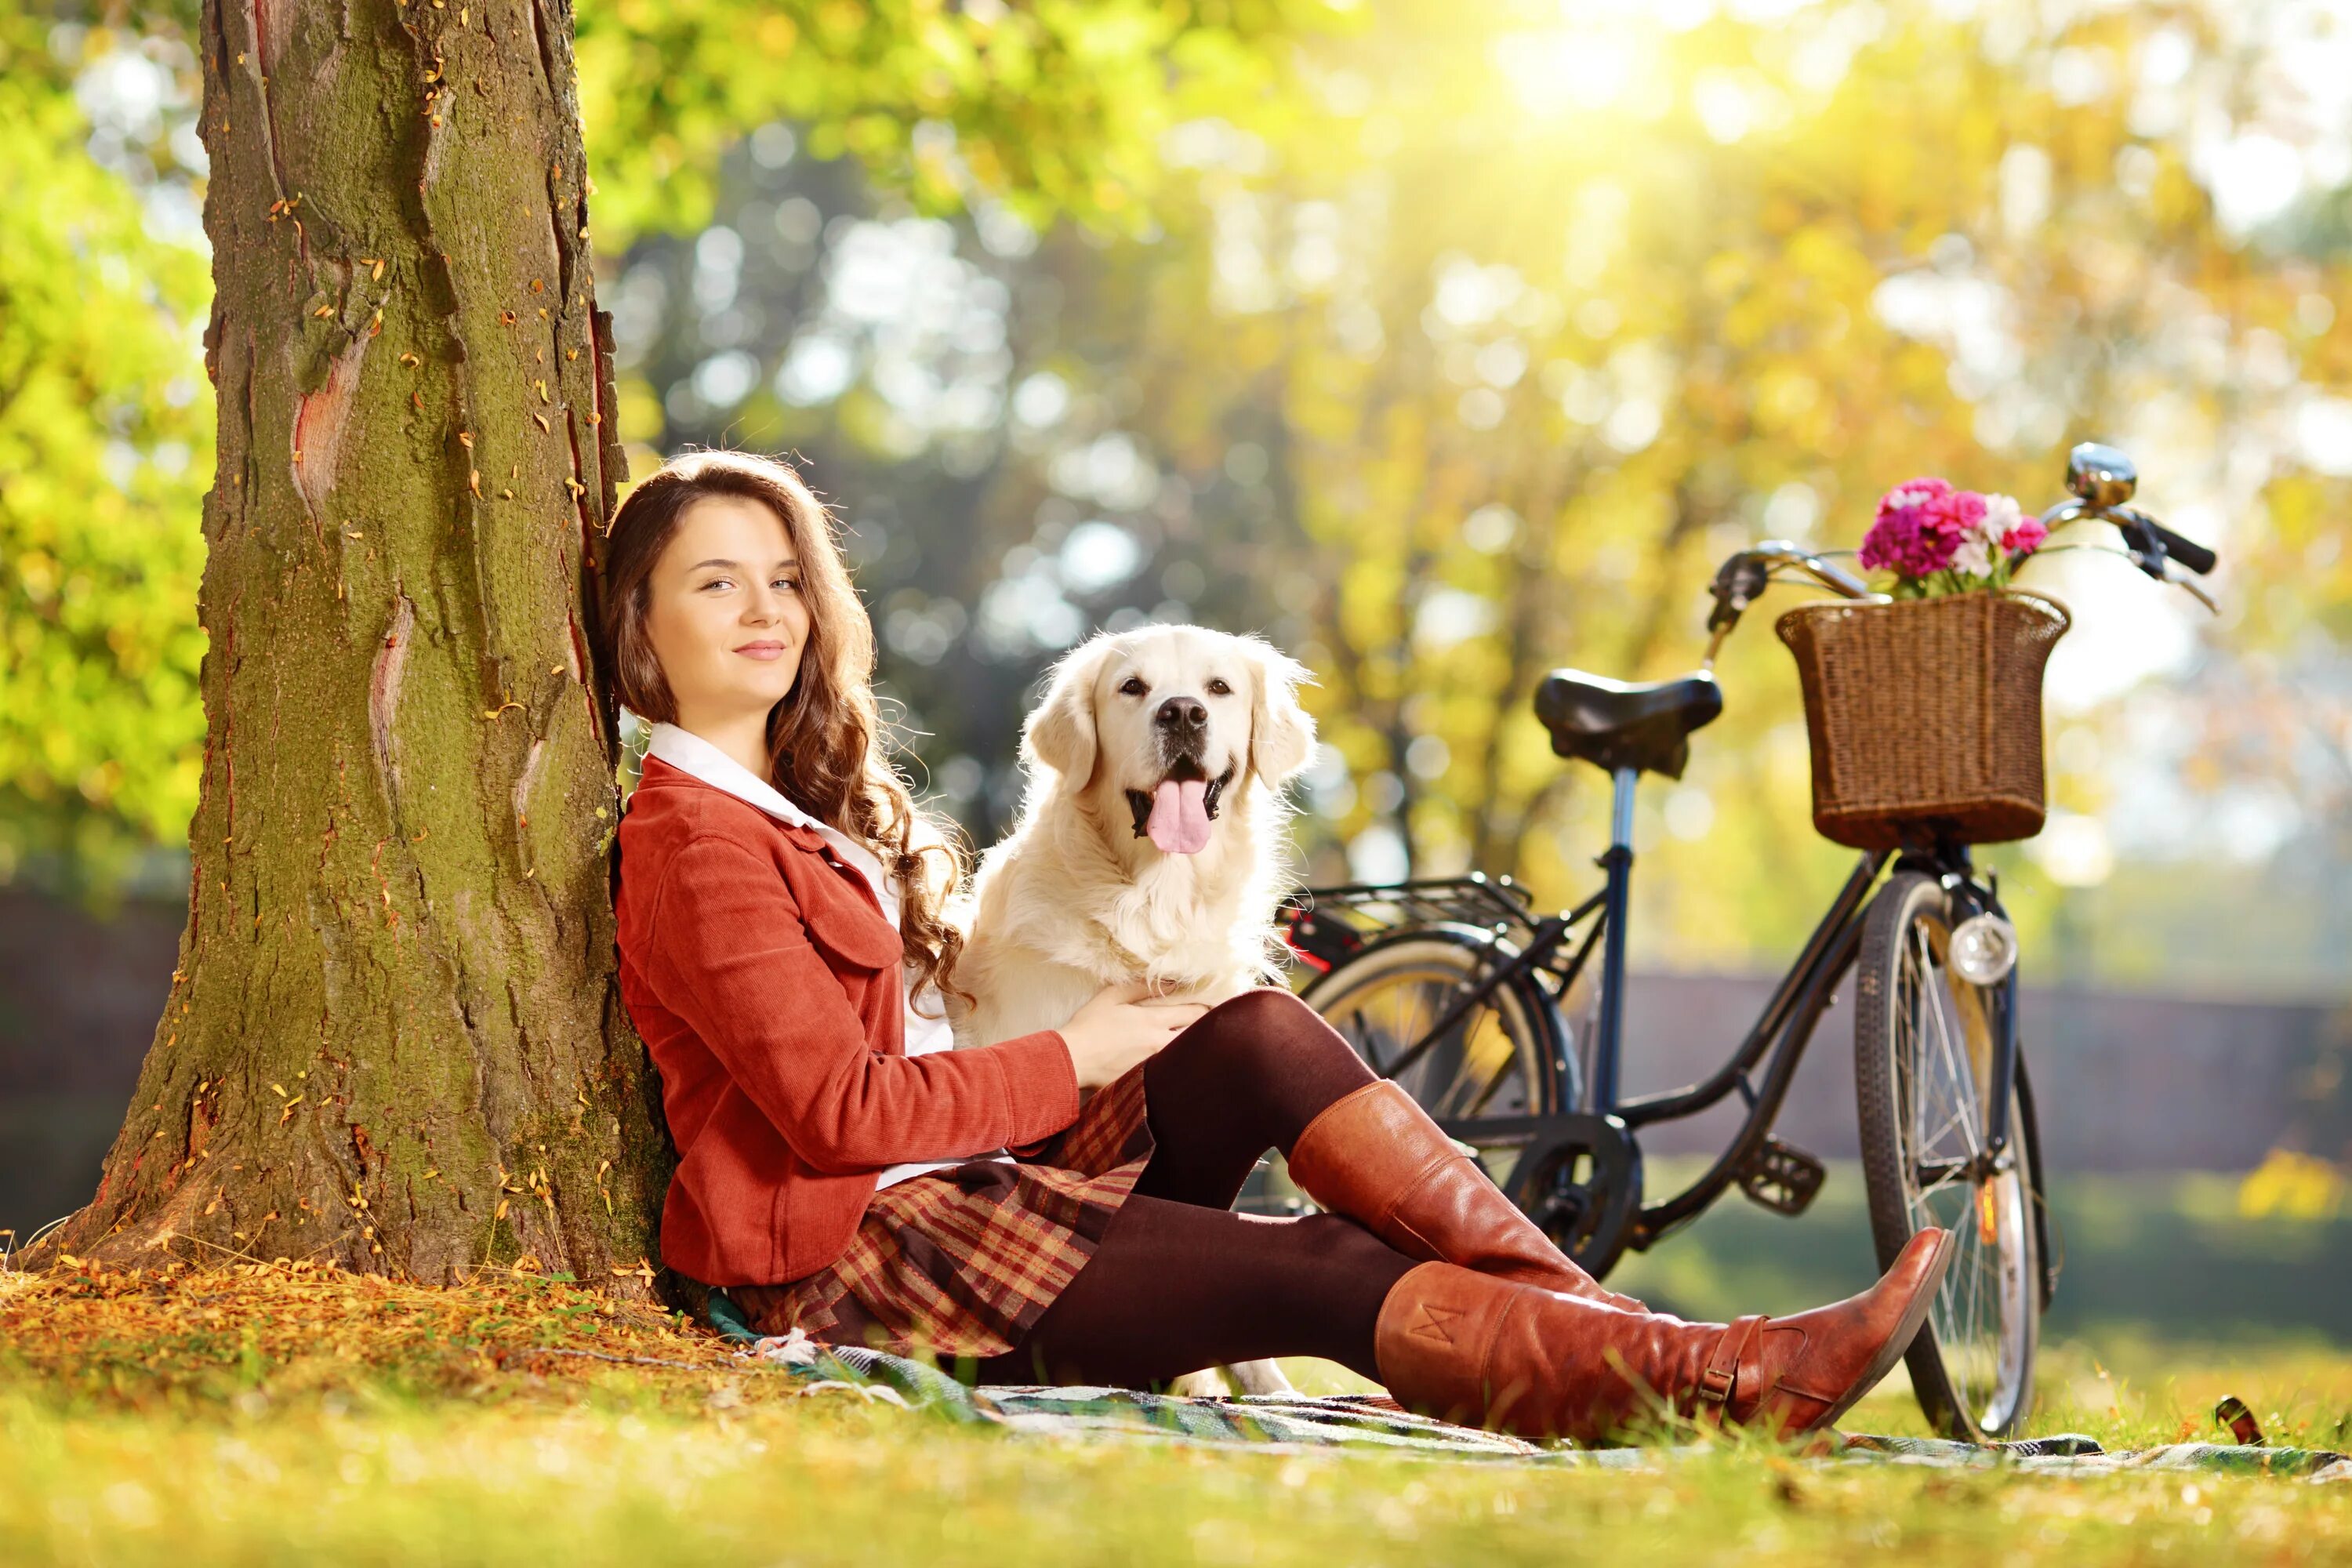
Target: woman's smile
{"x":727,"y":617}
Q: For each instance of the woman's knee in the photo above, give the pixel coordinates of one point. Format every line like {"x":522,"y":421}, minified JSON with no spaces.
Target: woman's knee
{"x":1348,"y":1271}
{"x":1284,"y":1060}
{"x":1336,"y":1241}
{"x":1267,"y":1020}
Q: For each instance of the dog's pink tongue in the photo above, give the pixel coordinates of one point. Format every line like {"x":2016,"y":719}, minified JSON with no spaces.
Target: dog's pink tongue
{"x":1179,"y":816}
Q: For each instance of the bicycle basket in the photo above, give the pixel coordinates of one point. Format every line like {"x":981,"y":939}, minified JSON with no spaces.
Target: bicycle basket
{"x":1925,"y":715}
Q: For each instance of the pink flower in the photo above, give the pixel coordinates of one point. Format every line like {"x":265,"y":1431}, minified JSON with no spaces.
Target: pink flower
{"x":2008,"y":530}
{"x":1985,"y":551}
{"x":1915,"y":493}
{"x":1926,"y":527}
{"x":1919,"y":526}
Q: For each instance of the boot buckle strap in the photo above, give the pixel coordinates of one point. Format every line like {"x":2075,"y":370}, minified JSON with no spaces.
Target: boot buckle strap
{"x":1716,"y":1382}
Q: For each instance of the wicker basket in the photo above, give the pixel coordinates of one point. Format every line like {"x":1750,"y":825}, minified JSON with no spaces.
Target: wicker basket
{"x":1925,"y":715}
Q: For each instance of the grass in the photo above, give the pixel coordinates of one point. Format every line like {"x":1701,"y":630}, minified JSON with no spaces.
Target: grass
{"x":2142,"y":1258}
{"x":275,"y":1415}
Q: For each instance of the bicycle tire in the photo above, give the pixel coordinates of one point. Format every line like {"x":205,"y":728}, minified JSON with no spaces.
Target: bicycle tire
{"x":1923,"y":1049}
{"x":1444,"y":957}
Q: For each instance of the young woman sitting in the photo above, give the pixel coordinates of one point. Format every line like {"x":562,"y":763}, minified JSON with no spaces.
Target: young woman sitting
{"x":842,"y":1171}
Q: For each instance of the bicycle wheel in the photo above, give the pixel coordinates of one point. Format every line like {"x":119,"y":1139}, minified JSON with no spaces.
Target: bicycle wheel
{"x":1495,"y":1061}
{"x":1922,"y":1065}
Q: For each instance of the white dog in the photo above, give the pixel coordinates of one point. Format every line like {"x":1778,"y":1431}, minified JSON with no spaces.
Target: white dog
{"x":1149,"y":843}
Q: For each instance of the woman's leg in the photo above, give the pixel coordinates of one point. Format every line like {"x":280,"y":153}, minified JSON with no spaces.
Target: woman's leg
{"x":1176,"y":1287}
{"x":1264,"y":1070}
{"x":1471,"y":1346}
{"x":1248,"y":1076}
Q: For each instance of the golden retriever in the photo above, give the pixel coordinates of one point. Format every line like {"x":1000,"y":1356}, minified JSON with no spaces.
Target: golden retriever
{"x":1149,"y":843}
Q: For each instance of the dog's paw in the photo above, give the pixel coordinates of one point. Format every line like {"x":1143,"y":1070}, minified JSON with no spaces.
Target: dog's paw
{"x":1260,"y":1377}
{"x":1209,"y":1382}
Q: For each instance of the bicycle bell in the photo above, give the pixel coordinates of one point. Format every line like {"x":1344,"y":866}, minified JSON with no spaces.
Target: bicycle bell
{"x":2101,"y":474}
{"x":1983,"y":950}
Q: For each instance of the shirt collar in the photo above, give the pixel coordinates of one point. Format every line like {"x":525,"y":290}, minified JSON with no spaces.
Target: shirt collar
{"x":690,"y":752}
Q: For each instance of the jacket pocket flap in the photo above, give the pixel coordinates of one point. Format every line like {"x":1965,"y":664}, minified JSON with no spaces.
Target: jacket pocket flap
{"x":840,"y":922}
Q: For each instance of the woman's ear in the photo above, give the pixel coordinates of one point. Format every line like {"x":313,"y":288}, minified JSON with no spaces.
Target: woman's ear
{"x":1060,"y":733}
{"x":1282,"y":734}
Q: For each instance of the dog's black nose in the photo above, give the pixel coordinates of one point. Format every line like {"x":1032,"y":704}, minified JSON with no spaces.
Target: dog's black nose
{"x":1182,"y":714}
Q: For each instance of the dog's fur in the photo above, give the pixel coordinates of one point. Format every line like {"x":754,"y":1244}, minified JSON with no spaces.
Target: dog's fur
{"x":1076,"y":897}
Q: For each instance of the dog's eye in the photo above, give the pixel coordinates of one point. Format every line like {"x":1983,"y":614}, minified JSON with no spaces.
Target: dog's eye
{"x":1133,"y":686}
{"x":1219,"y":689}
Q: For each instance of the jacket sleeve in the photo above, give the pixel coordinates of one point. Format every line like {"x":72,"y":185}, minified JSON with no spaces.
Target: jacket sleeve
{"x":730,"y":955}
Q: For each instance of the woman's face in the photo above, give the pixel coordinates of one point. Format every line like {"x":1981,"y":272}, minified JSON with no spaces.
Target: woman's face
{"x":726,"y":616}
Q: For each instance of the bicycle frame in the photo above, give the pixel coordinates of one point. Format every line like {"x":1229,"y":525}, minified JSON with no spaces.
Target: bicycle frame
{"x":1775,"y":1041}
{"x":1579,"y":1167}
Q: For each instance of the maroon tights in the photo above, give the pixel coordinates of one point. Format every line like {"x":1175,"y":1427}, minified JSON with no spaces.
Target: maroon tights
{"x":1179,"y":1281}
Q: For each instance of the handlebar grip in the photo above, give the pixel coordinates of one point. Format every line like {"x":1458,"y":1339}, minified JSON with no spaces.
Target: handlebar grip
{"x":2187,"y":551}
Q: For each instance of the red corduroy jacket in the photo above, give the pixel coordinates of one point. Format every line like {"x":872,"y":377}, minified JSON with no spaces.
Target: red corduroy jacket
{"x":764,"y":979}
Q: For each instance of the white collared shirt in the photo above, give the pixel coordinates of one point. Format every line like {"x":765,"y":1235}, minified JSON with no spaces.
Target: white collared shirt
{"x":690,"y":752}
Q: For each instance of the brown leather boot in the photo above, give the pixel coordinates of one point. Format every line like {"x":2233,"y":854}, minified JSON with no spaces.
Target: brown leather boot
{"x":1469,"y":1347}
{"x":1375,"y":1156}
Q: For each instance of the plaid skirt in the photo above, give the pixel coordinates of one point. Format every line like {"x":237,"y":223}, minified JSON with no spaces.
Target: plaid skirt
{"x":961,"y":1261}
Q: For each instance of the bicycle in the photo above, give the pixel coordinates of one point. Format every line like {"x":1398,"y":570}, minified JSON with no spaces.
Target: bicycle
{"x":1455,"y":988}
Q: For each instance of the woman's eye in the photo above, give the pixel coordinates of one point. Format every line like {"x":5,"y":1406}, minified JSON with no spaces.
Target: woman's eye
{"x":721,"y":583}
{"x":1219,"y":689}
{"x":1133,"y":686}
{"x":792,"y":583}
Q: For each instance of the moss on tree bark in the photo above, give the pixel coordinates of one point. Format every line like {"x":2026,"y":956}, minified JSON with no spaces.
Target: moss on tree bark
{"x":394,"y":1036}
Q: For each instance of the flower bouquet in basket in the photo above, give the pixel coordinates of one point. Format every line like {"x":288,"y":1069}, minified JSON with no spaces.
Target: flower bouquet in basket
{"x":1925,"y":710}
{"x":1938,"y":540}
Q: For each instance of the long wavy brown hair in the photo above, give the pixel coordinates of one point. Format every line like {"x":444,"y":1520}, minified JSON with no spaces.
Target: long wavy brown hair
{"x":827,"y":749}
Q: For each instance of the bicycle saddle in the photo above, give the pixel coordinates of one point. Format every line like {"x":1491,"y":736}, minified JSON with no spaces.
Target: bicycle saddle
{"x":1619,"y":724}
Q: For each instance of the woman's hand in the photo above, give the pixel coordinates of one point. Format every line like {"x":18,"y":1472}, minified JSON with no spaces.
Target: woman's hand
{"x":1120,"y":1027}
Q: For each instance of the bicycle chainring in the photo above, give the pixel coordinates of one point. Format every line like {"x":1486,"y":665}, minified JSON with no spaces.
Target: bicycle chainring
{"x":1580,"y":1180}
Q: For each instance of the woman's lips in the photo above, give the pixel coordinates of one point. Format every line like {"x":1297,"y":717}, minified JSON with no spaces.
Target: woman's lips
{"x":762,"y":651}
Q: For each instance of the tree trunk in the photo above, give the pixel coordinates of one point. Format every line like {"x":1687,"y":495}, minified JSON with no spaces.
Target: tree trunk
{"x":394,"y":1038}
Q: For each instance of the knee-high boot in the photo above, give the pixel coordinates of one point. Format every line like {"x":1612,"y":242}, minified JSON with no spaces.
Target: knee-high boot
{"x":1470,"y":1347}
{"x":1375,"y":1156}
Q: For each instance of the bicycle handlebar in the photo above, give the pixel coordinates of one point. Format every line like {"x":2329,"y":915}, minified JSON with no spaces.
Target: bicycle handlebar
{"x":2102,"y":479}
{"x":1742,"y":580}
{"x":2187,"y":551}
{"x":2150,"y":542}
{"x":1780,"y":552}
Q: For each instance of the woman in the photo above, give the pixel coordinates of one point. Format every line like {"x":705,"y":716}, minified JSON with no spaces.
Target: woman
{"x":782,"y":951}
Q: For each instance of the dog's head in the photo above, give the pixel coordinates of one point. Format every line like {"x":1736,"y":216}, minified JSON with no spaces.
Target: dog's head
{"x":1170,"y":723}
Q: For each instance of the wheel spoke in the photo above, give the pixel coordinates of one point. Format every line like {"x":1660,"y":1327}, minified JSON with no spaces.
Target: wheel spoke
{"x":1359,"y":1035}
{"x":1486,"y":1064}
{"x":1981,"y":1320}
{"x":1961,"y":1082}
{"x":1495,"y":1081}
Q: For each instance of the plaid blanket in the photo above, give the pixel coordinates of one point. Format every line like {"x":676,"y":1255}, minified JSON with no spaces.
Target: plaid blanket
{"x":1375,"y":1424}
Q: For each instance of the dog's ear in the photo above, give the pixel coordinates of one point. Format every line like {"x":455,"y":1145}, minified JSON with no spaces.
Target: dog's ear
{"x":1060,"y":733}
{"x":1282,"y":734}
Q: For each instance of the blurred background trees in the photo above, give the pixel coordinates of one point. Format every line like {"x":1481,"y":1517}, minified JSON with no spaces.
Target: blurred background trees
{"x":1476,"y":351}
{"x":1443,"y":345}
{"x":439,"y":1049}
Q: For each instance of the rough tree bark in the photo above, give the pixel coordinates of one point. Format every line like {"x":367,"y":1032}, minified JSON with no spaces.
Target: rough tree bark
{"x":394,"y":1038}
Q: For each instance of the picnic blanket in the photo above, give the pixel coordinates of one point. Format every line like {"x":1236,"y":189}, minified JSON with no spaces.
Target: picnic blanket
{"x":1361,"y":1422}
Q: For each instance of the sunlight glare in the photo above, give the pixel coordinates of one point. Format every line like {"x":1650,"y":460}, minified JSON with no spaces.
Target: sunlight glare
{"x":1585,"y":67}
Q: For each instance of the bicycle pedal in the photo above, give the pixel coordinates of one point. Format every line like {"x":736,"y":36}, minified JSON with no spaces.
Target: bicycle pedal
{"x":1782,"y":1178}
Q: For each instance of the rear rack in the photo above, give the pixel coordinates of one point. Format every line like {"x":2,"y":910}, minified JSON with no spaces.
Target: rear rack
{"x":1326,"y":925}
